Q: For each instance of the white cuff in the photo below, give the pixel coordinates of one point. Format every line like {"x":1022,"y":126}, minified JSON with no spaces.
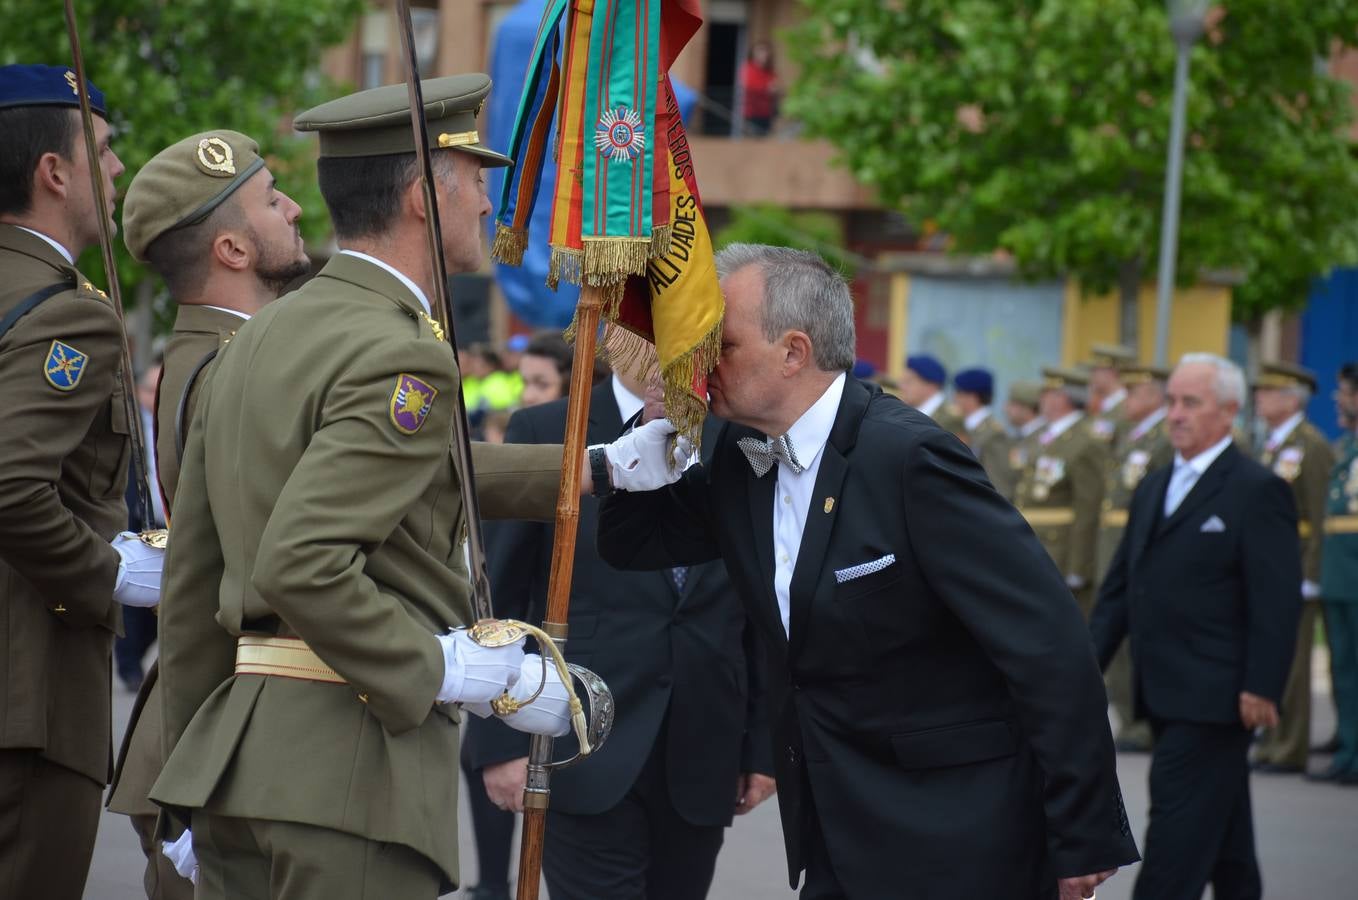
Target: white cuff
{"x":1310,"y":590}
{"x":472,"y":673}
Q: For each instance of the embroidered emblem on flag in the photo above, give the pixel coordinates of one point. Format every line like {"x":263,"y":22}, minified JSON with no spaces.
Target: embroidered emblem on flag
{"x":64,"y":366}
{"x":410,"y":403}
{"x":619,"y":135}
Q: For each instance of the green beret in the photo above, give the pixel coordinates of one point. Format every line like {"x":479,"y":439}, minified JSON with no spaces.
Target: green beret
{"x":184,"y":183}
{"x":376,"y":122}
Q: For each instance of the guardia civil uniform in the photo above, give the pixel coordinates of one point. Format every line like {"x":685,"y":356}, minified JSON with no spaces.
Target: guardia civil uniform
{"x":316,"y":550}
{"x":1061,"y":492}
{"x":64,"y":456}
{"x":179,"y":187}
{"x":1305,"y":460}
{"x":1110,"y":422}
{"x":1141,"y":447}
{"x":1339,"y":592}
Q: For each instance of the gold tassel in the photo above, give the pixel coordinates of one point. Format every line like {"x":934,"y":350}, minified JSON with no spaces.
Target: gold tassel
{"x":660,"y":241}
{"x":565,"y":263}
{"x":609,"y":259}
{"x":509,"y":245}
{"x":682,"y":407}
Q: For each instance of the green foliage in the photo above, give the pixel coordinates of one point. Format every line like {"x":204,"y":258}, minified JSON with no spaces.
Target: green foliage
{"x":170,"y":68}
{"x":1041,"y":126}
{"x":781,"y":227}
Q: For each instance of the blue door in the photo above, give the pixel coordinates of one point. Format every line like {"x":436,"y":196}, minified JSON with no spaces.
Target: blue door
{"x":1329,"y":338}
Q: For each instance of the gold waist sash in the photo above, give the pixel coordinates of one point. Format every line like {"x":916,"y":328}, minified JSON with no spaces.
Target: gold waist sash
{"x":284,"y":657}
{"x":1061,"y":515}
{"x":1341,"y":525}
{"x":1114,"y":518}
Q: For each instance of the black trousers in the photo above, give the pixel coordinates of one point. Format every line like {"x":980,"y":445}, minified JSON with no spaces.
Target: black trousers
{"x":1201,"y":828}
{"x":819,"y":881}
{"x":640,"y":849}
{"x":492,"y":827}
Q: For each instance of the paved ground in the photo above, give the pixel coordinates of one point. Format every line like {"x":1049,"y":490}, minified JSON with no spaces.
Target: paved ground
{"x":1307,"y":835}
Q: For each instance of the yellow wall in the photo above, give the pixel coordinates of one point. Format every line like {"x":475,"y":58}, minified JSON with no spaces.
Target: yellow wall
{"x":1200,"y":321}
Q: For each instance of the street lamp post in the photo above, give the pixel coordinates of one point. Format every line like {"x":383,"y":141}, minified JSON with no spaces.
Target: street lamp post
{"x":1186,"y":26}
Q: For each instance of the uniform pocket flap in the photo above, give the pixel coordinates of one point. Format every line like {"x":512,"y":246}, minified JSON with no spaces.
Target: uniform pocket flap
{"x":954,"y":745}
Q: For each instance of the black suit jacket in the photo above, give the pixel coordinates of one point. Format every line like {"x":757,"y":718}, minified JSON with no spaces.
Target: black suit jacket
{"x":945,"y":712}
{"x":1210,"y":613}
{"x":690,"y":654}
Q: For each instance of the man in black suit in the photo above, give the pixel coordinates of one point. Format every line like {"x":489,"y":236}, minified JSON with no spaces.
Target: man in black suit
{"x":1206,"y":584}
{"x":939,"y":718}
{"x":690,"y":745}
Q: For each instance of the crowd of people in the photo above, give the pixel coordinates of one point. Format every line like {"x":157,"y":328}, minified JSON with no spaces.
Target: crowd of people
{"x":892,"y":611}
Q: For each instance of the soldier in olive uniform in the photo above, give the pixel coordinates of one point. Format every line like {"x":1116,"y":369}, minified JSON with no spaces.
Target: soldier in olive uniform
{"x":1025,"y":423}
{"x":309,"y":676}
{"x":1299,"y":454}
{"x":206,"y":215}
{"x":64,"y":455}
{"x":1142,"y":447}
{"x":1061,"y":491}
{"x":1108,"y":391}
{"x":1339,"y":583}
{"x":922,"y":387}
{"x":973,"y":390}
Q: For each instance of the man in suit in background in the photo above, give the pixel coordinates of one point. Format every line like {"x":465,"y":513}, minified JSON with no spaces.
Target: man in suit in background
{"x":973,"y":390}
{"x":940,"y":725}
{"x":690,"y":744}
{"x":1299,"y":454}
{"x":1206,"y":585}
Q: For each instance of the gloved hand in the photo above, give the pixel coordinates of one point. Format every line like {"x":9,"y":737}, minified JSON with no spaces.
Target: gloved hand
{"x":180,"y":854}
{"x":138,"y":581}
{"x":549,"y":714}
{"x":472,"y":673}
{"x":641,"y":460}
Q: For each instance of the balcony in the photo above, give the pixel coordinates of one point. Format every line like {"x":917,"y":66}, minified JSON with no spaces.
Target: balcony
{"x":794,"y":173}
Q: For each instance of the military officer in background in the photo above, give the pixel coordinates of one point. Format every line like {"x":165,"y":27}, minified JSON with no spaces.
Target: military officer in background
{"x":973,"y":391}
{"x":1298,"y":453}
{"x":64,"y":455}
{"x":1061,"y":490}
{"x":922,"y":387}
{"x":206,"y":215}
{"x":1339,"y":582}
{"x":311,"y":654}
{"x":1108,"y":391}
{"x":1143,"y":446}
{"x":1025,"y":421}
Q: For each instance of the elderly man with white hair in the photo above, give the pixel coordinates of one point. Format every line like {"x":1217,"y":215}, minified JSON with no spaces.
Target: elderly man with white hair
{"x":1299,"y":454}
{"x":1206,"y":584}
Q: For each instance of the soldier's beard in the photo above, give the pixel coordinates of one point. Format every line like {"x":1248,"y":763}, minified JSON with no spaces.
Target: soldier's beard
{"x":277,"y":267}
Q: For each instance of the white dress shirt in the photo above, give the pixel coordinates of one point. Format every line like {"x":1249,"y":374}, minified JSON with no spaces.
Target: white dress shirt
{"x":792,"y":494}
{"x":1188,"y":471}
{"x":629,"y":404}
{"x":66,"y":254}
{"x":928,"y":407}
{"x":236,"y":312}
{"x":1283,"y":432}
{"x":1032,"y":425}
{"x":974,"y":420}
{"x":414,"y":288}
{"x":1147,"y":424}
{"x":1060,"y":427}
{"x":1112,"y":400}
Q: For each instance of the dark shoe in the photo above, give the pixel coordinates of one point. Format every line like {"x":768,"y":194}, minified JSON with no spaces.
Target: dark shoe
{"x":1268,"y":768}
{"x":1330,"y":746}
{"x":489,"y":892}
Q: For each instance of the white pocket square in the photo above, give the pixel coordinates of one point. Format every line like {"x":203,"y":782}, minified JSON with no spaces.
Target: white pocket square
{"x":1213,"y":525}
{"x":867,"y":568}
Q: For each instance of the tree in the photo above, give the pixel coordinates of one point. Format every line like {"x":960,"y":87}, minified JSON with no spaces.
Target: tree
{"x":781,"y":227}
{"x":170,"y":68}
{"x":1040,"y":127}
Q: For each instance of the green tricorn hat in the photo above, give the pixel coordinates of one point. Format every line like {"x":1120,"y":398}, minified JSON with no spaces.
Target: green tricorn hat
{"x":184,"y":183}
{"x":376,"y":122}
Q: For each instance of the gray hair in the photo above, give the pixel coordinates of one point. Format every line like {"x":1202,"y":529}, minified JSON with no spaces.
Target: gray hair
{"x":1229,"y":380}
{"x":801,"y":293}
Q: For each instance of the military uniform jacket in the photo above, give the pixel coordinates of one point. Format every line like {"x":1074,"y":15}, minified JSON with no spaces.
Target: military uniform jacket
{"x":1339,"y":559}
{"x":1110,"y":425}
{"x":199,"y":334}
{"x":318,"y":498}
{"x":64,"y":454}
{"x":1305,"y":460}
{"x":1135,"y":455}
{"x":1061,"y":496}
{"x":992,"y":445}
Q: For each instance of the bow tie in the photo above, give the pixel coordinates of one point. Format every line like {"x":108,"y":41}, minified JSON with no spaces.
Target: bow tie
{"x":763,"y":454}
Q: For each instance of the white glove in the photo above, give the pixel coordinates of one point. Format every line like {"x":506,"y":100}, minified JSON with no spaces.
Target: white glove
{"x":549,"y":714}
{"x":476,"y":674}
{"x":1075,"y":582}
{"x":180,"y":854}
{"x":641,"y":461}
{"x":138,"y":581}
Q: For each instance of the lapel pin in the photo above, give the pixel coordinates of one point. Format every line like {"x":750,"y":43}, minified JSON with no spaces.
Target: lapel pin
{"x":829,"y":503}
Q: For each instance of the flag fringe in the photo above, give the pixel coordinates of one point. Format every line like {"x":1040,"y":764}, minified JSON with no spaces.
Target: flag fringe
{"x":610,"y":259}
{"x":509,"y":245}
{"x":661,"y":236}
{"x":683,"y":407}
{"x":565,"y":264}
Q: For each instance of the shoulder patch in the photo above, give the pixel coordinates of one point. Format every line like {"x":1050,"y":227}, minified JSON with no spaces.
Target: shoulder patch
{"x":411,"y":401}
{"x":64,"y":366}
